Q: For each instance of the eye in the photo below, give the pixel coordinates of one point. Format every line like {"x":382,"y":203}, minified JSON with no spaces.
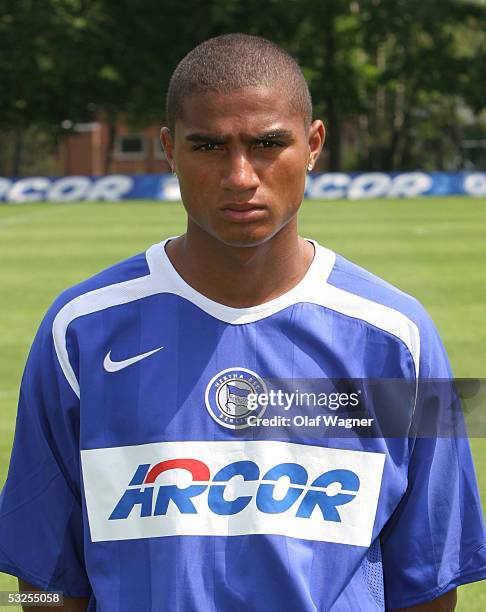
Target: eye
{"x":207,"y":146}
{"x":268,"y":144}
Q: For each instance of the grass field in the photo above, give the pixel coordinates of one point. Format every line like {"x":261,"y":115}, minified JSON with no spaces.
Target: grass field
{"x":434,"y":248}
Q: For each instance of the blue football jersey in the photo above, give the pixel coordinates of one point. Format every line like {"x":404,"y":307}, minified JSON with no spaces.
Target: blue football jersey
{"x":136,"y":480}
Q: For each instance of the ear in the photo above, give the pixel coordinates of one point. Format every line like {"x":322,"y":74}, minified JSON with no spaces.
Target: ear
{"x":317,"y":136}
{"x":168,"y":146}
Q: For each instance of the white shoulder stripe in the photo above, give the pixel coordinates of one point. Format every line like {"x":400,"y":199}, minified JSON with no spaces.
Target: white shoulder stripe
{"x":163,"y":278}
{"x":94,"y":301}
{"x":383,"y":317}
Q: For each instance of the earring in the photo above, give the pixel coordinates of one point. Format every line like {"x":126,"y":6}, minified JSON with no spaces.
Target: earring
{"x":309,"y":166}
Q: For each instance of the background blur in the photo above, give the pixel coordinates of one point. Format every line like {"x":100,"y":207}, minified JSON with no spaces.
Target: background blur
{"x":399,"y":84}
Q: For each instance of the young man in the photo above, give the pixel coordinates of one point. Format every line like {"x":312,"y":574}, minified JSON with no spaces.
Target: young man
{"x":136,"y":481}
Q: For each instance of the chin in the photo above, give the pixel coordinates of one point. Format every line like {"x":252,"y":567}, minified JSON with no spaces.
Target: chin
{"x":245,"y":236}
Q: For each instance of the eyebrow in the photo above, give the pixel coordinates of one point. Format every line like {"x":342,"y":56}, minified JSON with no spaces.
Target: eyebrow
{"x":275,"y":135}
{"x":221,"y":139}
{"x":205,"y":138}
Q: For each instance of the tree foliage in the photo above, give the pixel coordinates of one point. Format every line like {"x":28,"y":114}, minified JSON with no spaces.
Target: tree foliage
{"x":394,"y":75}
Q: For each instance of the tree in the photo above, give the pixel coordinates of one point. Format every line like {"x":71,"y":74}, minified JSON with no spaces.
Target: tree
{"x":396,"y":72}
{"x":418,"y":51}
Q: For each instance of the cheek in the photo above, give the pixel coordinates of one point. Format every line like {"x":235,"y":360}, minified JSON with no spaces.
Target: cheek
{"x":191,"y":175}
{"x":287,"y":182}
{"x":196,"y":187}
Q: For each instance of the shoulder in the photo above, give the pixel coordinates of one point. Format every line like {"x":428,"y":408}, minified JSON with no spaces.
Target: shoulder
{"x":123,"y":283}
{"x":121,"y":273}
{"x":358,"y":281}
{"x":368,"y":296}
{"x":115,"y":277}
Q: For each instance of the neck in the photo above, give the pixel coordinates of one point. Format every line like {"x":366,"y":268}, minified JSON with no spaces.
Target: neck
{"x":241,"y":277}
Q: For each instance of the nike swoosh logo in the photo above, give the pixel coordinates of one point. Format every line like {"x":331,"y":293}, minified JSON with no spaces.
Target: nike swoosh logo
{"x":115,"y":366}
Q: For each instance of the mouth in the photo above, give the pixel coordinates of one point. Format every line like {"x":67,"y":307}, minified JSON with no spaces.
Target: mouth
{"x":243,"y":212}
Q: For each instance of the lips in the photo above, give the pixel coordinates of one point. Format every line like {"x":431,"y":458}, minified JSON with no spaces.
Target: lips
{"x":243,"y":212}
{"x":242,"y":206}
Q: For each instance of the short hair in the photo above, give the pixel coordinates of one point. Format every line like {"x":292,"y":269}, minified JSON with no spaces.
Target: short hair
{"x":232,"y":61}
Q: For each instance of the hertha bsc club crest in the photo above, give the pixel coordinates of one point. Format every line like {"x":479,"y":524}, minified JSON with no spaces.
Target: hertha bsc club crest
{"x":231,"y":397}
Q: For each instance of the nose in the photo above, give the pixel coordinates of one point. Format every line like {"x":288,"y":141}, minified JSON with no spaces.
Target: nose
{"x":240,"y":174}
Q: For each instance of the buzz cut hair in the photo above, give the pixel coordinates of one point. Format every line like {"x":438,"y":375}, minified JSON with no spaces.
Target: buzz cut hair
{"x":232,"y":61}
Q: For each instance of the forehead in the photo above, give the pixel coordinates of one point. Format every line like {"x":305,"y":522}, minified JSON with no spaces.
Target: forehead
{"x":249,"y":109}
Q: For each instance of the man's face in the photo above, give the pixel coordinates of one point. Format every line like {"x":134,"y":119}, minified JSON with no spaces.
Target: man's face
{"x":241,"y":159}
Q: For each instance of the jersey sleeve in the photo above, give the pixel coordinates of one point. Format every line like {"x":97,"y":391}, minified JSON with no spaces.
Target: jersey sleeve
{"x":41,"y":522}
{"x":435,"y":540}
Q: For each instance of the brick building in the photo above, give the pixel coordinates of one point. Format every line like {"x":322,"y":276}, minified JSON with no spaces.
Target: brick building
{"x":85,"y":150}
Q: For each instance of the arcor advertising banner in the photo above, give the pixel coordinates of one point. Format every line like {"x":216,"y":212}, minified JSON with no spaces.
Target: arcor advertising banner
{"x":327,"y":186}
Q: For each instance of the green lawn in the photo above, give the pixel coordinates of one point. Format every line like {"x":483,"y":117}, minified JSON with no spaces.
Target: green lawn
{"x":434,"y":248}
